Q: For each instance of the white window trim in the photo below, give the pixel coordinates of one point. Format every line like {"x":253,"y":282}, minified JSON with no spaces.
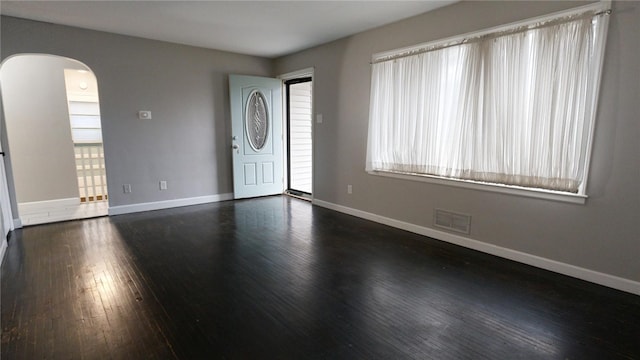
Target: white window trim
{"x":581,"y":196}
{"x":490,"y":187}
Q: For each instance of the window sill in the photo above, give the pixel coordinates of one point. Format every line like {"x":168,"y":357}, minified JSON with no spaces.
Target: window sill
{"x":498,"y":188}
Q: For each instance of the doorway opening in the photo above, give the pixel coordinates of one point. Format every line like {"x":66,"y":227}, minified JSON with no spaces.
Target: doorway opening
{"x":86,"y":134}
{"x":299,"y":121}
{"x":51,"y":113}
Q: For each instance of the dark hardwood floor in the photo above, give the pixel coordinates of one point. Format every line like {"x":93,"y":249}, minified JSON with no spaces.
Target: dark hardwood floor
{"x":275,"y":278}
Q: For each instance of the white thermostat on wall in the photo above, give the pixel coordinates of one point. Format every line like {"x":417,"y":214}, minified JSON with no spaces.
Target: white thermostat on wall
{"x":144,"y":114}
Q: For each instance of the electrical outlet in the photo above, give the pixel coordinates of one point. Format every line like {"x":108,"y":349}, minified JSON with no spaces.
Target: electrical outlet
{"x":163,"y":185}
{"x":349,"y":189}
{"x":126,"y":188}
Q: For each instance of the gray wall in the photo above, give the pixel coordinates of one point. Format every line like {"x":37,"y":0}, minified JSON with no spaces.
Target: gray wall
{"x":601,"y":235}
{"x":187,"y":141}
{"x":37,"y":119}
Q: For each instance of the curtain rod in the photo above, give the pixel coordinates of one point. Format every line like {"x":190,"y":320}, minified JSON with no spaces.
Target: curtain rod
{"x":495,"y":35}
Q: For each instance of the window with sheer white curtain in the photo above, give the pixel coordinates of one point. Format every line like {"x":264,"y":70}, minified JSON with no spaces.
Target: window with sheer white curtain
{"x":512,"y":107}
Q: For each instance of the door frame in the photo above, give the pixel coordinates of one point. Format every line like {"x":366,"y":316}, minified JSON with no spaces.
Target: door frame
{"x":287,"y":85}
{"x":303,"y":73}
{"x":5,"y":195}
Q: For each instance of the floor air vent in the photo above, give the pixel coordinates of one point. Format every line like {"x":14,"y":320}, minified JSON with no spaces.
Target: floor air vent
{"x":451,"y":221}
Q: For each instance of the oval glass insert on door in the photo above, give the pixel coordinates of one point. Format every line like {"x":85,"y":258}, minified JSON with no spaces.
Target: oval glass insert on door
{"x":257,"y":120}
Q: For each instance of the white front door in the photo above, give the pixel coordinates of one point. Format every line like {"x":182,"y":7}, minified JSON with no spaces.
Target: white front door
{"x":256,"y":131}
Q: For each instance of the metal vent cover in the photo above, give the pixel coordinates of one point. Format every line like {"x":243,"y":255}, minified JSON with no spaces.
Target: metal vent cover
{"x":452,"y":221}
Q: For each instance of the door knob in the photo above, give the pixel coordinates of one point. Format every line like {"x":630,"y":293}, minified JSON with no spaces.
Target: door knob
{"x":235,"y":146}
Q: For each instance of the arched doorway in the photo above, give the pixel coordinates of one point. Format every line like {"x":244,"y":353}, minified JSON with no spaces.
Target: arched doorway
{"x":52,"y":118}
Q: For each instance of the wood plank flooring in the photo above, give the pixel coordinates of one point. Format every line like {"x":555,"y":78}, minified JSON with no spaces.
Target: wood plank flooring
{"x":276,"y":278}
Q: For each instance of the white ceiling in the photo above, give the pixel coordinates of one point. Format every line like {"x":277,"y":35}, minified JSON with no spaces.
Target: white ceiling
{"x":261,"y":28}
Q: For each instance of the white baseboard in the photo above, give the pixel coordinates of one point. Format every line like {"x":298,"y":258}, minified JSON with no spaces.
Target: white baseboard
{"x":17,"y":224}
{"x":3,"y":249}
{"x":42,"y":212}
{"x":533,"y":260}
{"x":39,"y":206}
{"x":166,"y":204}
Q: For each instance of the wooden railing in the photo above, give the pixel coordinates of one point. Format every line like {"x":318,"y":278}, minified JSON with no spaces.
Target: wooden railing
{"x":92,"y":179}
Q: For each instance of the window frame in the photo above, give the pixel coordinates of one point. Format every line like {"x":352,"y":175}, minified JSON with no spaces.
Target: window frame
{"x":576,"y":198}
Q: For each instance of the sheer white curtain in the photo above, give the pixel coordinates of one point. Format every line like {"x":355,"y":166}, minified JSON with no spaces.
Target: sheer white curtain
{"x":512,"y":108}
